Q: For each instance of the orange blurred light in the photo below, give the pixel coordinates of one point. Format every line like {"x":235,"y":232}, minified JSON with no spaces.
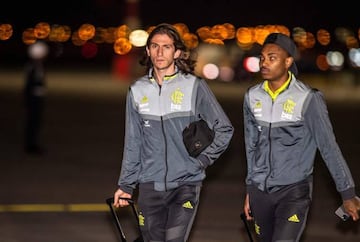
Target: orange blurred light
{"x":86,"y":31}
{"x":181,"y":28}
{"x":323,"y":37}
{"x":300,"y":36}
{"x":352,"y":42}
{"x":310,"y":41}
{"x":321,"y":63}
{"x":76,"y":39}
{"x":59,"y":33}
{"x":28,"y":36}
{"x":150,"y":29}
{"x":122,"y":46}
{"x":6,"y":31}
{"x":42,"y":30}
{"x":219,"y":32}
{"x":110,"y":35}
{"x":122,"y":31}
{"x":191,"y":40}
{"x":230,"y":29}
{"x":282,"y":29}
{"x":260,"y":34}
{"x":244,"y":36}
{"x":214,"y":41}
{"x":204,"y":32}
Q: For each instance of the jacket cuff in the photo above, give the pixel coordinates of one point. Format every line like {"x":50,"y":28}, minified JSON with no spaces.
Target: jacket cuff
{"x":204,"y":161}
{"x":126,"y":189}
{"x":348,"y":194}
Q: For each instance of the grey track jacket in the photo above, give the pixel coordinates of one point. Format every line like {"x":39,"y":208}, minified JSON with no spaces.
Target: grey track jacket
{"x":282,"y":137}
{"x":154,"y":151}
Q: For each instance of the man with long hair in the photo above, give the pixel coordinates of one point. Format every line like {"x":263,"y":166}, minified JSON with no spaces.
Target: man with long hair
{"x":160,"y":105}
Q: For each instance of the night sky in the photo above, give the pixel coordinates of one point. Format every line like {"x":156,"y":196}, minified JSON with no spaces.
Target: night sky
{"x":195,"y":14}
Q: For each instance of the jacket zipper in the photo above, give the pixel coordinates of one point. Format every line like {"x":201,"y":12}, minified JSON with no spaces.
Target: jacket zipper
{"x":165,"y":145}
{"x":269,"y":139}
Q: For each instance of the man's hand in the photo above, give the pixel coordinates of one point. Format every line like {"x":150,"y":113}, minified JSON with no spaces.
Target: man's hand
{"x":247,"y":209}
{"x":352,"y":207}
{"x":118,"y":202}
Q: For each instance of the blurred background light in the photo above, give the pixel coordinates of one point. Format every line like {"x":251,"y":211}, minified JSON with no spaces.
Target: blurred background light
{"x":6,"y":31}
{"x":211,"y":71}
{"x":138,"y":37}
{"x":226,"y":73}
{"x":251,"y":64}
{"x":38,"y":50}
{"x":122,"y":46}
{"x":110,"y":28}
{"x":89,"y":50}
{"x":354,"y":56}
{"x":335,"y":60}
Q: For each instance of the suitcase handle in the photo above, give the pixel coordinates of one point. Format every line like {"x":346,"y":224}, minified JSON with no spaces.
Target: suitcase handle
{"x":243,"y":218}
{"x":110,"y":201}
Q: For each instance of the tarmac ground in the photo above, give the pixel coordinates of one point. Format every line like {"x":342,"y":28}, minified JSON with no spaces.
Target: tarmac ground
{"x":59,"y":196}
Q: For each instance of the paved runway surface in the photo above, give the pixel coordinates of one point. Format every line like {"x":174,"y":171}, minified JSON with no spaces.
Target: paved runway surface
{"x":60,"y":196}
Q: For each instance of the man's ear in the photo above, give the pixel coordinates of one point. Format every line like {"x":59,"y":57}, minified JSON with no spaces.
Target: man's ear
{"x":177,"y":54}
{"x":147,"y":51}
{"x":289,"y":60}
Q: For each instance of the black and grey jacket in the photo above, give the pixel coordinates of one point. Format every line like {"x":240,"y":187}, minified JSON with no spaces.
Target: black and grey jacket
{"x":154,"y":151}
{"x":282,"y":137}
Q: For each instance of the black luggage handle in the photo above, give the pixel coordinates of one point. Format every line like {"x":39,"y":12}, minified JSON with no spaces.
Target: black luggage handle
{"x":243,"y":218}
{"x":110,"y":201}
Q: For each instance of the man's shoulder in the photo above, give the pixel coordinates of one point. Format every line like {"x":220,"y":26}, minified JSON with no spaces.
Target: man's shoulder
{"x":141,"y":80}
{"x":255,"y":86}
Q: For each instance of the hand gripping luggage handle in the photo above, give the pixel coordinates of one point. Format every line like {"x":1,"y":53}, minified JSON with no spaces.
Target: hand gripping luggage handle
{"x":110,"y":201}
{"x":243,"y":218}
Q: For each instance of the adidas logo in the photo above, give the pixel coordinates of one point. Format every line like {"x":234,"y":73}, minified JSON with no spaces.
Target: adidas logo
{"x":257,"y":229}
{"x":141,"y":220}
{"x":294,"y":219}
{"x":187,"y":205}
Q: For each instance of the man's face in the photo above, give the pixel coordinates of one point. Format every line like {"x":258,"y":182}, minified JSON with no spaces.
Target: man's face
{"x":274,"y":62}
{"x":162,"y":52}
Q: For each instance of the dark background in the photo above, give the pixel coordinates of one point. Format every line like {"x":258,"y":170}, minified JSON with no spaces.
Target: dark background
{"x":308,"y":14}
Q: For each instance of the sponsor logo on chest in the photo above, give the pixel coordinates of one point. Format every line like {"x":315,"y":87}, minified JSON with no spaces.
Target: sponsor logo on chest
{"x":285,"y":113}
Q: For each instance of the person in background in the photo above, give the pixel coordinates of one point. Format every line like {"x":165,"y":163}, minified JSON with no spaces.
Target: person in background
{"x":285,"y":123}
{"x":34,"y":95}
{"x":159,"y":106}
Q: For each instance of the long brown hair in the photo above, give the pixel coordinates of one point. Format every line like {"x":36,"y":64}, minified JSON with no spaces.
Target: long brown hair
{"x":185,"y":62}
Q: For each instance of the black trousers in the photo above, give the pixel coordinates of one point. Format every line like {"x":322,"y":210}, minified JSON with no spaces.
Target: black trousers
{"x":281,"y":215}
{"x":167,"y":215}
